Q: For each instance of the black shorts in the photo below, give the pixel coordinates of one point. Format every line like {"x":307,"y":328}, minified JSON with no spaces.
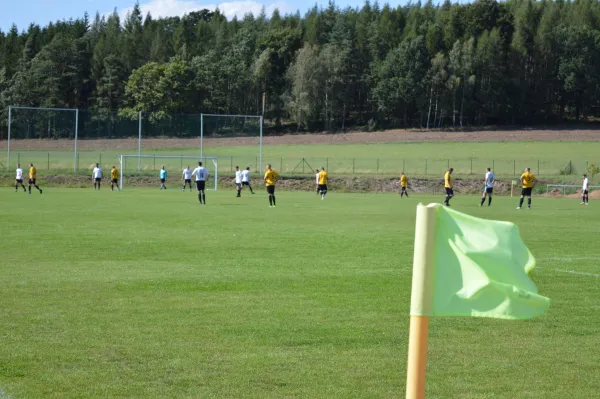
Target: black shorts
{"x":238,"y":185}
{"x":585,"y":192}
{"x":200,"y":185}
{"x":245,"y":183}
{"x":19,"y":181}
{"x":322,"y":187}
{"x":98,"y":179}
{"x":163,"y":180}
{"x":271,"y":189}
{"x":31,"y":181}
{"x":114,"y":181}
{"x":489,"y":190}
{"x":526,"y":192}
{"x":188,"y":181}
{"x":403,"y":188}
{"x":449,"y":191}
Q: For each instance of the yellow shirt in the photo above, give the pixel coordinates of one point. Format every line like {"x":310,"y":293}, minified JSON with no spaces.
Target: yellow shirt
{"x":114,"y":174}
{"x":527,"y":179}
{"x":448,"y":180}
{"x":322,"y":177}
{"x":403,"y":180}
{"x":270,"y":177}
{"x":32,"y":172}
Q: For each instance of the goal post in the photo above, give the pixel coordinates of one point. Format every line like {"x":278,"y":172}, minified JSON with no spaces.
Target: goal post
{"x":566,"y":189}
{"x":173,"y":164}
{"x":223,"y":126}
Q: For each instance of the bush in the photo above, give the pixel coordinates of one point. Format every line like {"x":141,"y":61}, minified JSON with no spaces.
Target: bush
{"x":568,"y":170}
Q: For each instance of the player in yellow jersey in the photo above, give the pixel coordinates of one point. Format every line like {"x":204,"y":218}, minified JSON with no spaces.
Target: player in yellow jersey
{"x":270,"y":179}
{"x":403,"y":185}
{"x":322,"y":177}
{"x":528,"y":181}
{"x":114,"y":179}
{"x":448,"y":186}
{"x":33,"y":177}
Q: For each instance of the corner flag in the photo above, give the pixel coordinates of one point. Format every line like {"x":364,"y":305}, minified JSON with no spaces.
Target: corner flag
{"x":465,"y":266}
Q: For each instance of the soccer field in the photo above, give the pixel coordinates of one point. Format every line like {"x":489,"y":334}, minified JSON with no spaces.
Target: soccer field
{"x":145,"y":293}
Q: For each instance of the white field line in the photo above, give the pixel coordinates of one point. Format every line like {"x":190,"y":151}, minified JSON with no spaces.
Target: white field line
{"x":570,"y":259}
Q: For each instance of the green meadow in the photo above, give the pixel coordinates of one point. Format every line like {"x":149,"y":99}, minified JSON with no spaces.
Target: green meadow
{"x":146,"y":293}
{"x":546,"y":159}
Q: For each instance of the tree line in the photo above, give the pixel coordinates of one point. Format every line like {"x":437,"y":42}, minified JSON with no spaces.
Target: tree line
{"x":487,"y":62}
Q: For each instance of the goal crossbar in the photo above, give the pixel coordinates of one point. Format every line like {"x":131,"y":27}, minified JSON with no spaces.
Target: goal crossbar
{"x":215,"y":162}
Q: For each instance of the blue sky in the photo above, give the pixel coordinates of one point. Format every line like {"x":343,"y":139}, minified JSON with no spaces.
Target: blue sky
{"x":24,"y":12}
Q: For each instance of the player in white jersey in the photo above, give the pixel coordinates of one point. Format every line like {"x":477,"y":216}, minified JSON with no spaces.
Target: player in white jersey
{"x":584,"y":191}
{"x":246,"y":179}
{"x":201,"y":175}
{"x":19,"y":178}
{"x":187,"y":178}
{"x":238,"y":181}
{"x":97,"y":176}
{"x":489,"y":187}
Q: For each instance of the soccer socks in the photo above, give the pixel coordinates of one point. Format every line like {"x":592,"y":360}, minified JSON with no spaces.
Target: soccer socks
{"x":204,"y":198}
{"x":270,"y":200}
{"x":521,"y":202}
{"x":490,"y":201}
{"x":273,"y":199}
{"x":528,"y":202}
{"x":447,"y":200}
{"x":482,"y":201}
{"x":200,"y":197}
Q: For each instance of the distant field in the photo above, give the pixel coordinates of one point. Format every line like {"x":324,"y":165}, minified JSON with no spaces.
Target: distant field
{"x":102,"y":297}
{"x":546,"y":158}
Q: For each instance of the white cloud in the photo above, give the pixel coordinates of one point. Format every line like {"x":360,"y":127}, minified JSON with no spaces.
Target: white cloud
{"x":177,"y":8}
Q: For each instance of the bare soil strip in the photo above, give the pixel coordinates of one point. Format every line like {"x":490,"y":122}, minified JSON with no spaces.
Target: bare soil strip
{"x":388,"y":136}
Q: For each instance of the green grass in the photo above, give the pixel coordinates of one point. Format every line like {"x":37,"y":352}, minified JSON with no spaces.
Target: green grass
{"x":416,"y":159}
{"x":146,"y":293}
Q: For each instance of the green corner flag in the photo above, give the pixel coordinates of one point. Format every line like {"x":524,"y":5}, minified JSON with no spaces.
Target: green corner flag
{"x":467,"y":266}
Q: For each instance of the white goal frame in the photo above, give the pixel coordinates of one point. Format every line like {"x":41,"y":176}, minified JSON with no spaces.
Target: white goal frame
{"x":565,"y":186}
{"x":215,"y":161}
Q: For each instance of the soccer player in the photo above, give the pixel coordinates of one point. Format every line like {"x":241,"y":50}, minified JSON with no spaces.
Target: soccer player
{"x":270,"y":179}
{"x":584,"y":191}
{"x":528,"y":181}
{"x":448,"y":186}
{"x":32,"y":178}
{"x":19,"y":178}
{"x":246,"y":179}
{"x":114,"y":179}
{"x":323,"y":183}
{"x":238,"y":181}
{"x":201,"y":175}
{"x":97,"y":176}
{"x":488,"y":189}
{"x":317,"y":180}
{"x":163,"y":178}
{"x":403,"y":184}
{"x":187,"y":178}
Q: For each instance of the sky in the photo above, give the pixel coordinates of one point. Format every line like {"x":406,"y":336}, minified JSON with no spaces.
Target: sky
{"x":41,"y":12}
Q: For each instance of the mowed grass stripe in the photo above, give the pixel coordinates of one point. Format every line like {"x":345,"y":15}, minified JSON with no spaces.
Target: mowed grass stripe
{"x":145,"y":293}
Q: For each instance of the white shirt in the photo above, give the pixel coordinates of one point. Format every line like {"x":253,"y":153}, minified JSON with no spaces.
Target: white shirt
{"x":187,"y":174}
{"x":238,"y":177}
{"x":245,"y":176}
{"x":19,"y":174}
{"x":200,"y":173}
{"x":97,"y":173}
{"x":489,"y":179}
{"x":585,"y":183}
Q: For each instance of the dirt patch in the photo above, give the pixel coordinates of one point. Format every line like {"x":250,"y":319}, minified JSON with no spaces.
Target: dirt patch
{"x":388,"y":136}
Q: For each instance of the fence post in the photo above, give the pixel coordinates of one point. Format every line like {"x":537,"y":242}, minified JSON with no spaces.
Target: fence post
{"x":327,"y":163}
{"x":18,"y":158}
{"x":448,"y":164}
{"x":425,"y":166}
{"x":256,"y":164}
{"x":352,"y":165}
{"x":182,"y":161}
{"x":48,"y":161}
{"x":538,"y":167}
{"x":303,"y":162}
{"x":493,"y":165}
{"x":100,"y":159}
{"x":77,"y":164}
{"x":514,"y":166}
{"x":404,"y":165}
{"x":154,"y":167}
{"x":281,"y":165}
{"x":377,"y":167}
{"x":471,"y":166}
{"x":231,"y":165}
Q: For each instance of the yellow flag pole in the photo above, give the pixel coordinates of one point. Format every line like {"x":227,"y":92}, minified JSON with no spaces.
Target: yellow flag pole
{"x":421,"y":301}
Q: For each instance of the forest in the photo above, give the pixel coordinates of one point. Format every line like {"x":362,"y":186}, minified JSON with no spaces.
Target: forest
{"x":518,"y":62}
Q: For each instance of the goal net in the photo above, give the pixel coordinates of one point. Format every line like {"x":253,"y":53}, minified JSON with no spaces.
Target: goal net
{"x":174,"y":165}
